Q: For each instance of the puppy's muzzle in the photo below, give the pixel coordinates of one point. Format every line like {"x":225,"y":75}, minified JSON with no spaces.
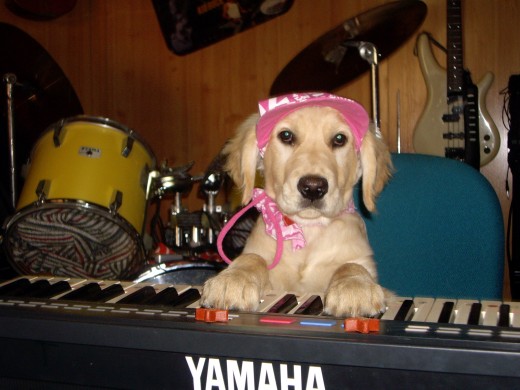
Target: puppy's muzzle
{"x":313,"y":187}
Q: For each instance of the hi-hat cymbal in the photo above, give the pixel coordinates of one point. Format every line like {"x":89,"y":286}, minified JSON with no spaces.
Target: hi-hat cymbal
{"x":329,"y":62}
{"x":42,"y":94}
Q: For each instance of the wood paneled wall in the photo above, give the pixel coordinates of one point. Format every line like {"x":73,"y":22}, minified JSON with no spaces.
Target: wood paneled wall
{"x":186,"y":107}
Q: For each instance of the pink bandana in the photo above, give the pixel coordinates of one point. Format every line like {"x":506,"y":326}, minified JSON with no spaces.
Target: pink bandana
{"x":274,"y":109}
{"x":277,"y":225}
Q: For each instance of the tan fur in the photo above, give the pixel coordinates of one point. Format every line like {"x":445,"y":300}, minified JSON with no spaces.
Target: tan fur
{"x":337,"y":259}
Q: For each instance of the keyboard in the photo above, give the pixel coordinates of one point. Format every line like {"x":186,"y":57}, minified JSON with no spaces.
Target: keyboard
{"x":119,"y":334}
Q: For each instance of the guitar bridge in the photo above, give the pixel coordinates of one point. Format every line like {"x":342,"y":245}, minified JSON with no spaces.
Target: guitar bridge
{"x":455,"y":153}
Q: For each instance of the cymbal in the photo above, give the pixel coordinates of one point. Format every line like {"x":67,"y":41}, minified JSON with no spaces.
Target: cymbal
{"x":42,"y":94}
{"x":329,"y":62}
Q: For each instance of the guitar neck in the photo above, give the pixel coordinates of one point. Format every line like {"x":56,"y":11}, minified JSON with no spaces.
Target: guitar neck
{"x":455,"y":70}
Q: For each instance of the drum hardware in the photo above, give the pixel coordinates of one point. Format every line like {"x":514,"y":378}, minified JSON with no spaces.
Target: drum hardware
{"x":41,"y":95}
{"x":41,"y":191}
{"x":57,"y":137}
{"x":71,"y":219}
{"x":329,"y":62}
{"x":10,"y":80}
{"x":127,"y":147}
{"x":116,"y":204}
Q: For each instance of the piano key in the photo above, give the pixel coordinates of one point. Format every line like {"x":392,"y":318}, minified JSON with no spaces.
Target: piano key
{"x":422,"y":308}
{"x":284,"y":305}
{"x":164,"y":297}
{"x":33,"y":289}
{"x":313,"y":305}
{"x":269,"y":299}
{"x":186,"y":298}
{"x":14,"y":287}
{"x":474,"y":316}
{"x":405,"y":311}
{"x":446,"y":313}
{"x":463,"y":309}
{"x":393,"y":308}
{"x":110,"y":292}
{"x":53,"y":290}
{"x":86,"y":292}
{"x":514,"y":314}
{"x":139,"y":296}
{"x":504,"y":319}
{"x":437,"y":309}
{"x":490,"y":312}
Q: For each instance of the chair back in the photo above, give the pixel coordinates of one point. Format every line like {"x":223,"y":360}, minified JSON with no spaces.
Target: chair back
{"x":438,"y":231}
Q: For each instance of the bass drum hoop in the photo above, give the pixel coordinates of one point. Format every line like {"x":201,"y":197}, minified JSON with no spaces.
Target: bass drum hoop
{"x":181,"y":272}
{"x":28,"y":256}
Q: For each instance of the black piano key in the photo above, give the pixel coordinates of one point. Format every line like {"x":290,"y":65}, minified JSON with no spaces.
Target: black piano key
{"x":474,"y":313}
{"x":186,"y":298}
{"x":140,"y":296}
{"x":88,"y":292}
{"x":53,"y":290}
{"x":109,"y":292}
{"x":312,"y":306}
{"x":284,"y":305}
{"x":445,"y":316}
{"x":164,"y":297}
{"x":403,"y":314}
{"x":14,"y":287}
{"x":33,"y":289}
{"x":503,"y":315}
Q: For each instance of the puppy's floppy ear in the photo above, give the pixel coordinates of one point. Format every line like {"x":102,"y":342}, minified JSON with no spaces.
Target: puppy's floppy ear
{"x":376,"y":166}
{"x":243,"y":157}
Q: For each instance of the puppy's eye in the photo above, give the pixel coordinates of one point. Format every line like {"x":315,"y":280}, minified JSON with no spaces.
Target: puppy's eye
{"x":287,"y":137}
{"x":339,"y":140}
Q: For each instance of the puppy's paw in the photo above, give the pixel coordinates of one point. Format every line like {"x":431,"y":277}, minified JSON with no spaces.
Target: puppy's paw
{"x":235,"y":289}
{"x":354,"y":297}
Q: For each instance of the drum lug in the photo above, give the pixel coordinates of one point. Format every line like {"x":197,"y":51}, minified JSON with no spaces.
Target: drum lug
{"x":57,"y":137}
{"x":41,"y":191}
{"x":116,"y":203}
{"x":127,"y":147}
{"x":152,"y":176}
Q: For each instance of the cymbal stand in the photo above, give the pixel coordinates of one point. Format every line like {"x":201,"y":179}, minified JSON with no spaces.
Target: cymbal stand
{"x":10,"y":80}
{"x":369,"y":53}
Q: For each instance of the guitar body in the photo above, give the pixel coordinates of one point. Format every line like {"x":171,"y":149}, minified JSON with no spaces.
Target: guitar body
{"x":430,"y":130}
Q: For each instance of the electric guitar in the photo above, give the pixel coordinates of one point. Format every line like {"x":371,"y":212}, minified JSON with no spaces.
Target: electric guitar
{"x":455,"y":122}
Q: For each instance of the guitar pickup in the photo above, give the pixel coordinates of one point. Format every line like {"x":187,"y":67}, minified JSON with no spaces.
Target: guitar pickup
{"x":453,"y":135}
{"x":453,"y":117}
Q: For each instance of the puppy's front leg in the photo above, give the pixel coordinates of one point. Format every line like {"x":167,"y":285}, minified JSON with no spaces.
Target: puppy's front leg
{"x":238,"y":287}
{"x":353,"y":292}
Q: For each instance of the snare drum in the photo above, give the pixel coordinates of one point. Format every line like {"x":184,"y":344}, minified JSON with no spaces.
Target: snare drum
{"x":82,"y":208}
{"x":192,"y":272}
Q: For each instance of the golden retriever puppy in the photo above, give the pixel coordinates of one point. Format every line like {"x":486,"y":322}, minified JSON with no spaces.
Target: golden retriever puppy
{"x":312,"y":149}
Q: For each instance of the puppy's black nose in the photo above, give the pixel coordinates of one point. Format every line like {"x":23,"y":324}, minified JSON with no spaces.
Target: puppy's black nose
{"x":313,"y":187}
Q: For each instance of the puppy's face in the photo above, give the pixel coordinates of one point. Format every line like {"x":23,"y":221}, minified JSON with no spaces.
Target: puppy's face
{"x":311,"y":164}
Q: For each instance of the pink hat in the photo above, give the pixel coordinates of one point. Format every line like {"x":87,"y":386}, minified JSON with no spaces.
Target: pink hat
{"x":275,"y":108}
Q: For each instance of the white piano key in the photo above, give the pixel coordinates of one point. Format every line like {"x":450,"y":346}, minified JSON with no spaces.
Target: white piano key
{"x":514,"y":314}
{"x":436,"y":310}
{"x":393,"y":307}
{"x":422,"y":307}
{"x":269,"y":299}
{"x":490,"y":312}
{"x":462,"y":310}
{"x":302,"y":298}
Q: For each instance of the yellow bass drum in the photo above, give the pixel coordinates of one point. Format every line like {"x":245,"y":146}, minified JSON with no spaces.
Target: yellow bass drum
{"x":82,"y":208}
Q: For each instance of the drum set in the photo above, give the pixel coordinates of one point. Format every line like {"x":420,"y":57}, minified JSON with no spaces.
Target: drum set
{"x":83,"y":207}
{"x":89,"y":182}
